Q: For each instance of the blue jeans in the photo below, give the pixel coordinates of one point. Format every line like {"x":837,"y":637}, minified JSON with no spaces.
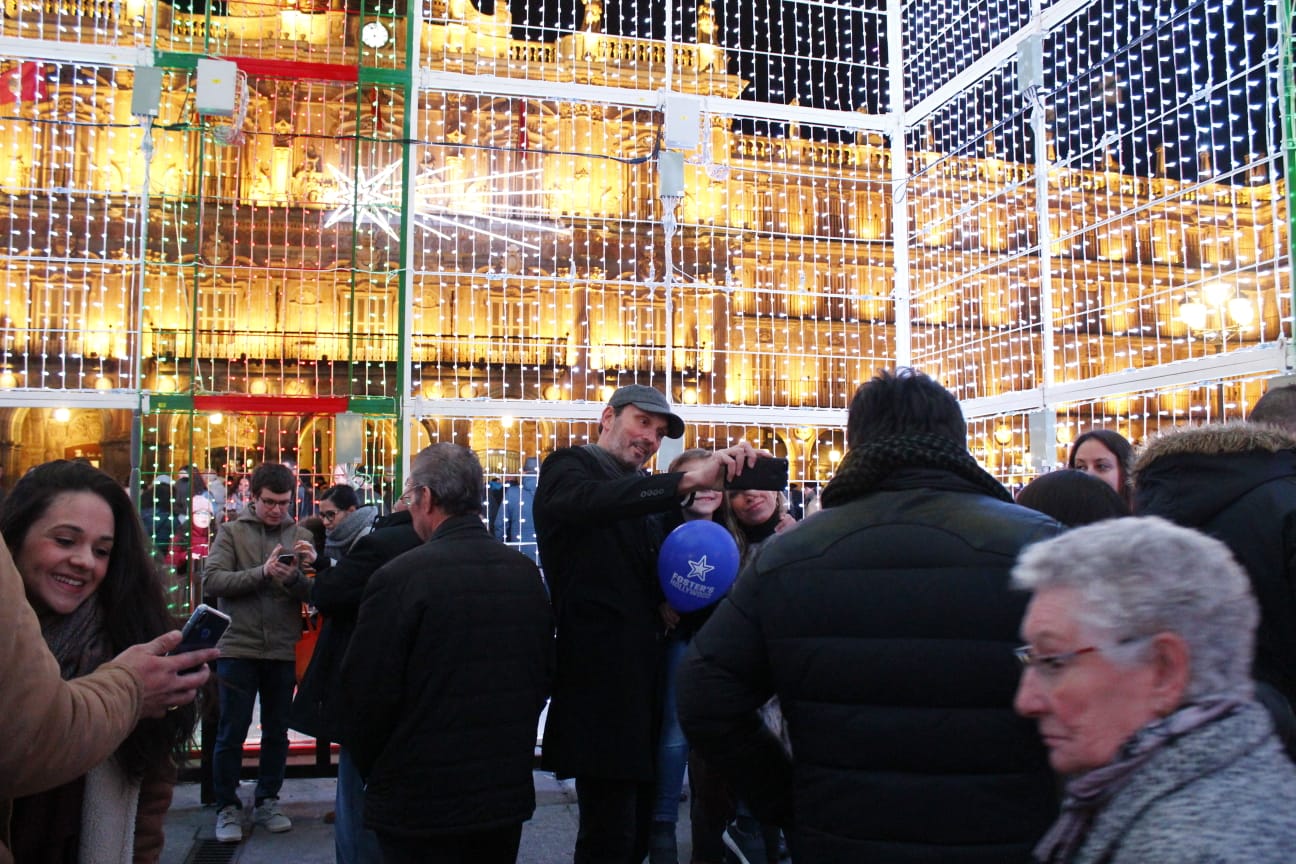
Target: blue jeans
{"x":240,"y":682}
{"x":352,"y":842}
{"x":672,"y":749}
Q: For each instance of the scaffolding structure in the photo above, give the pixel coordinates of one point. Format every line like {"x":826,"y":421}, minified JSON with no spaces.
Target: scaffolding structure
{"x":454,"y":222}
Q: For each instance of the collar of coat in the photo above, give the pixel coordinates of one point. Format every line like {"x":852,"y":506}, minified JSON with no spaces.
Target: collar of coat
{"x":1216,"y":439}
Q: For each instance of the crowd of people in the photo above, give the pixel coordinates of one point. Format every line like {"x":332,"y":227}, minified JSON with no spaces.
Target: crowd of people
{"x":912,"y":665}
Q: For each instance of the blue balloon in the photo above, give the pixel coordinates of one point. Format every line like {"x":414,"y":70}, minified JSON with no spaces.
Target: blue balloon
{"x":697,"y":564}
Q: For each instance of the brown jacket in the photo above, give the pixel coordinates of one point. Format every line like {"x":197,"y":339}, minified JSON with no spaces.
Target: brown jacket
{"x":51,"y":730}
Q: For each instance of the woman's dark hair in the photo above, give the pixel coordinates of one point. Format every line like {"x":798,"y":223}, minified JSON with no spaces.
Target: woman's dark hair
{"x":1119,"y":447}
{"x":315,"y":525}
{"x":342,"y":495}
{"x":131,"y":594}
{"x":904,"y":402}
{"x":1073,"y":498}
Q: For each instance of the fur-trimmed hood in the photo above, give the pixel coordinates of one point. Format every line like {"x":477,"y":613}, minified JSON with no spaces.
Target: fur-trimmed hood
{"x":1189,"y":475}
{"x":1215,"y":439}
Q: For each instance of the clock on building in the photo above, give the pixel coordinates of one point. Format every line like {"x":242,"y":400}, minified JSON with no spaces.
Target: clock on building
{"x":375,"y":34}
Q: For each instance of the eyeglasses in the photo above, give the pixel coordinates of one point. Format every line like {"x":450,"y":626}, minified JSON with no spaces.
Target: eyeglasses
{"x":1050,"y":665}
{"x":273,"y":504}
{"x":329,"y":515}
{"x":408,"y":498}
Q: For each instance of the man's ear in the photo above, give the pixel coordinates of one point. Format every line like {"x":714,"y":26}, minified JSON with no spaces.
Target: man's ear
{"x":1172,"y":667}
{"x":606,"y":418}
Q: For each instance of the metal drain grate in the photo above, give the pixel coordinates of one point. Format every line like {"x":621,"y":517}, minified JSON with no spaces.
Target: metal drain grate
{"x":211,"y":852}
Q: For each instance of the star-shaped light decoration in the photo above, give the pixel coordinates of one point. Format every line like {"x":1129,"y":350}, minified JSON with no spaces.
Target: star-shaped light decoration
{"x":699,"y":569}
{"x":478,"y":204}
{"x":366,"y":199}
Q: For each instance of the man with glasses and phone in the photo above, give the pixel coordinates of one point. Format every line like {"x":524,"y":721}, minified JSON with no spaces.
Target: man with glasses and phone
{"x":255,"y":573}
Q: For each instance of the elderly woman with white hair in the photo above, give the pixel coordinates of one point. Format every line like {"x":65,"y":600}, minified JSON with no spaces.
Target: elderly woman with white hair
{"x":1137,"y":668}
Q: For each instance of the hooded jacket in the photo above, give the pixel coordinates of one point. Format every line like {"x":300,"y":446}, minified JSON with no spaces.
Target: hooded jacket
{"x":1237,"y":483}
{"x":265,"y":615}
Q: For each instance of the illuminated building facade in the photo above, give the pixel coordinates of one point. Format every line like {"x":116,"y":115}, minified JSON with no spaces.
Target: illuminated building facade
{"x":445,"y":223}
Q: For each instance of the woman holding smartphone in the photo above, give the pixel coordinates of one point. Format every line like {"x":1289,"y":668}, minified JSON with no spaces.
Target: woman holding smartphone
{"x":87,"y":572}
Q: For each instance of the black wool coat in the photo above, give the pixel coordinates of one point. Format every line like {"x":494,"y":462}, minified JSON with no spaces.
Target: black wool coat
{"x":1237,"y":483}
{"x":336,"y":592}
{"x":598,"y":541}
{"x":445,"y":679}
{"x":885,"y":626}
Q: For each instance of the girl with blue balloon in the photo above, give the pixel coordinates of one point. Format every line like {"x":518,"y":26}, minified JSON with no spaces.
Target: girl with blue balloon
{"x":697,"y":564}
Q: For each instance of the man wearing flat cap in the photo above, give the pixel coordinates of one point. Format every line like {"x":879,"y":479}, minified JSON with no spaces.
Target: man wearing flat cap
{"x":594,"y":517}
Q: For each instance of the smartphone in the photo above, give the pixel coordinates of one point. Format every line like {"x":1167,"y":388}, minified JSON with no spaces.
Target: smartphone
{"x":287,"y":558}
{"x":769,"y":472}
{"x":203,"y":630}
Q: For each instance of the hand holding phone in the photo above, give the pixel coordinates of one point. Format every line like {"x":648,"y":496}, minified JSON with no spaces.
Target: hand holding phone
{"x":287,"y":558}
{"x":769,"y":472}
{"x":203,"y":630}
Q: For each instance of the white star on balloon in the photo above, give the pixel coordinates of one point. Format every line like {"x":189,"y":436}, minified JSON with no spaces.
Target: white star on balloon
{"x":700,"y":569}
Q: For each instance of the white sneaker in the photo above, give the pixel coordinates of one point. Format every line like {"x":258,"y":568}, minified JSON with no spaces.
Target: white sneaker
{"x":229,"y":825}
{"x":269,"y":816}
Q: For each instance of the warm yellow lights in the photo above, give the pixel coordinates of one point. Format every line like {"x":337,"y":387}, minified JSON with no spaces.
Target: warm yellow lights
{"x":62,"y":415}
{"x":1193,"y":314}
{"x":506,"y":421}
{"x":165,"y":384}
{"x":216,"y":418}
{"x":553,"y":392}
{"x":467,"y":391}
{"x":103,"y":382}
{"x":258,"y":387}
{"x":803,"y":433}
{"x":689,"y":396}
{"x":605,"y":392}
{"x":1216,"y":293}
{"x":1062,"y":435}
{"x":1003,"y":435}
{"x":8,"y":380}
{"x":834,"y":456}
{"x":1241,"y":310}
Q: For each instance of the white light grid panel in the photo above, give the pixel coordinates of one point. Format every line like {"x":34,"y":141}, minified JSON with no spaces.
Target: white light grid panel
{"x":946,"y":37}
{"x":540,"y":243}
{"x":69,"y":228}
{"x":311,"y":31}
{"x":1164,"y":215}
{"x":1140,"y":415}
{"x":288,"y":242}
{"x":1002,"y":446}
{"x":973,"y":242}
{"x":85,"y":22}
{"x":819,"y":53}
{"x":1153,"y":256}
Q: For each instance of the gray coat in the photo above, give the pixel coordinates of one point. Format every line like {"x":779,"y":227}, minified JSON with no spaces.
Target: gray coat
{"x":1223,"y":793}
